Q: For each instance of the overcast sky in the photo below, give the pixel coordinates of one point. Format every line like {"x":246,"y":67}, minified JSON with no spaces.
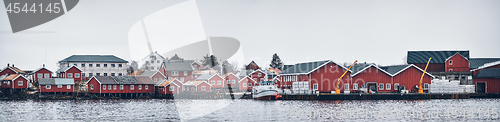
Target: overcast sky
{"x":343,"y":31}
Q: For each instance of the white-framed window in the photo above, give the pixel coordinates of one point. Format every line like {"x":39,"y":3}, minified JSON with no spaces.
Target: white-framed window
{"x":121,"y":87}
{"x":182,"y":79}
{"x":68,"y":86}
{"x":213,"y":82}
{"x":315,"y":86}
{"x":355,"y":86}
{"x":234,"y":81}
{"x":47,"y":86}
{"x":185,"y":73}
{"x":156,"y":79}
{"x":70,"y":75}
{"x":104,"y":87}
{"x":228,"y":82}
{"x":249,"y":84}
{"x":171,"y":88}
{"x":77,"y":75}
{"x":387,"y":86}
{"x":140,"y":87}
{"x":146,"y":87}
{"x":396,"y":86}
{"x":450,"y":62}
{"x":59,"y":86}
{"x":244,"y":85}
{"x":109,"y":87}
{"x":114,"y":87}
{"x":175,"y":73}
{"x":219,"y":82}
{"x":39,"y":75}
{"x":112,"y":74}
{"x":203,"y":88}
{"x":381,"y":86}
{"x":46,"y":75}
{"x":262,"y":79}
{"x":426,"y":86}
{"x":246,"y":79}
{"x":346,"y":86}
{"x":120,"y":74}
{"x":91,"y":87}
{"x":131,"y":87}
{"x":20,"y":83}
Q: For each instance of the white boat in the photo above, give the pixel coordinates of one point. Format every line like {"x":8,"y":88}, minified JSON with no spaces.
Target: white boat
{"x":266,"y":90}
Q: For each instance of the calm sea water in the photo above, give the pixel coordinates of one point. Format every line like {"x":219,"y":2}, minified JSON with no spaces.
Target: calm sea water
{"x":250,"y":110}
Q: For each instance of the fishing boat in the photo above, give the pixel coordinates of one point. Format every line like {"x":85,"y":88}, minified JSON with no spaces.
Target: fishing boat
{"x":265,"y":90}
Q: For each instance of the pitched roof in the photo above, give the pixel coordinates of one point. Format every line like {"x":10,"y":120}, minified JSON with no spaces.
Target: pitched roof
{"x":178,"y":66}
{"x":15,"y":69}
{"x":149,"y":73}
{"x":93,"y":58}
{"x":437,"y":56}
{"x":11,"y":77}
{"x":56,"y":81}
{"x":394,"y":68}
{"x":487,"y":65}
{"x":307,"y":67}
{"x":195,"y":83}
{"x":166,"y":82}
{"x":137,"y":73}
{"x":488,"y":73}
{"x":363,"y":67}
{"x":66,"y":68}
{"x":41,"y":69}
{"x":358,"y":67}
{"x":205,"y":77}
{"x":475,"y":63}
{"x":247,"y":77}
{"x":175,"y":57}
{"x":124,"y":80}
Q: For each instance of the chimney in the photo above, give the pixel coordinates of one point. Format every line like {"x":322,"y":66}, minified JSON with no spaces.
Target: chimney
{"x":8,"y":65}
{"x":13,"y":65}
{"x":44,"y":65}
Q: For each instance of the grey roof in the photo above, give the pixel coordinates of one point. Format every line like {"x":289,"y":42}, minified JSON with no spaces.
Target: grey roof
{"x":124,"y":80}
{"x":175,"y":57}
{"x":304,"y":67}
{"x":56,"y":81}
{"x":394,"y":69}
{"x":62,"y":69}
{"x":93,"y":58}
{"x":178,"y":66}
{"x":287,"y":66}
{"x":488,"y":73}
{"x":204,"y":76}
{"x":149,"y":73}
{"x":437,"y":56}
{"x":475,"y":63}
{"x":358,"y":67}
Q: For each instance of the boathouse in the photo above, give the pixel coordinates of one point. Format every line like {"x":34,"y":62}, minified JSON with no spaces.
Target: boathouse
{"x":14,"y":81}
{"x":70,"y":72}
{"x":56,"y":85}
{"x":41,"y":73}
{"x":156,"y":76}
{"x":11,"y":70}
{"x":246,"y":84}
{"x":215,"y":81}
{"x":171,"y":86}
{"x":121,"y":85}
{"x":231,"y":79}
{"x":197,"y":86}
{"x":369,"y":76}
{"x":407,"y":77}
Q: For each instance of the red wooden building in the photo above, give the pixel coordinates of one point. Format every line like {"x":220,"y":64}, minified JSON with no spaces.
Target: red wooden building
{"x":457,"y":63}
{"x":246,"y":84}
{"x":197,"y":86}
{"x":321,"y":75}
{"x":231,"y":79}
{"x":182,"y":70}
{"x":486,"y":66}
{"x":487,"y":80}
{"x":156,"y":76}
{"x":252,"y":66}
{"x":407,"y":77}
{"x":370,"y":75}
{"x":437,"y":64}
{"x":258,"y":75}
{"x":11,"y":70}
{"x":41,"y":73}
{"x":215,"y":81}
{"x":70,"y":72}
{"x":56,"y":85}
{"x":172,"y":86}
{"x":14,"y":81}
{"x":120,"y":84}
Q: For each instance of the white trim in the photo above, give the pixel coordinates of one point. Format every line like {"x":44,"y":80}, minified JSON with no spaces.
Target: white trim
{"x":369,"y":67}
{"x":454,"y":55}
{"x":70,"y":68}
{"x":411,"y":65}
{"x":316,"y":68}
{"x":202,"y":82}
{"x":41,"y":69}
{"x":486,"y":65}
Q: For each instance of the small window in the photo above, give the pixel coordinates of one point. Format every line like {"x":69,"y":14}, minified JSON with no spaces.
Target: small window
{"x":105,"y":65}
{"x":156,"y":79}
{"x":112,"y":65}
{"x":218,"y":82}
{"x":75,"y":64}
{"x":90,"y":65}
{"x":121,"y":87}
{"x":234,"y":81}
{"x":47,"y":86}
{"x":388,"y":86}
{"x":244,"y":85}
{"x":83,"y":65}
{"x":97,"y":74}
{"x":112,"y":74}
{"x":152,"y":62}
{"x":91,"y":87}
{"x":146,"y":87}
{"x":355,"y":86}
{"x":262,"y":79}
{"x":426,"y":86}
{"x":315,"y":86}
{"x":182,"y":79}
{"x":109,"y":87}
{"x":77,"y":75}
{"x":346,"y":86}
{"x":381,"y":86}
{"x":259,"y":75}
{"x":203,"y":88}
{"x":213,"y":82}
{"x":90,"y":75}
{"x":97,"y":65}
{"x":175,"y":73}
{"x":114,"y":87}
{"x":59,"y":86}
{"x":104,"y":87}
{"x":396,"y":86}
{"x":450,"y":62}
{"x":158,"y":61}
{"x":246,"y":79}
{"x":70,"y":75}
{"x":131,"y":87}
{"x":185,"y":73}
{"x":140,"y":87}
{"x":249,"y":84}
{"x":83,"y":74}
{"x":40,"y":75}
{"x":119,"y":74}
{"x":105,"y":74}
{"x":20,"y":83}
{"x":171,"y":88}
{"x":119,"y":65}
{"x":68,"y":86}
{"x":228,"y":82}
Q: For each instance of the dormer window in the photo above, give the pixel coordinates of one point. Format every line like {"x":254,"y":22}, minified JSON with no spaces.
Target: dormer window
{"x":450,"y":62}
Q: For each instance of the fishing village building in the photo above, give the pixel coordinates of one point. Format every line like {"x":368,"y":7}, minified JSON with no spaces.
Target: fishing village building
{"x":41,"y":73}
{"x":197,"y":86}
{"x":171,"y":86}
{"x":121,"y":85}
{"x":56,"y":85}
{"x":96,"y":65}
{"x":246,"y":84}
{"x":70,"y":72}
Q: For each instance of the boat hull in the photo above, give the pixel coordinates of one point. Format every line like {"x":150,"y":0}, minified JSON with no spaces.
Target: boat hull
{"x":265,"y":95}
